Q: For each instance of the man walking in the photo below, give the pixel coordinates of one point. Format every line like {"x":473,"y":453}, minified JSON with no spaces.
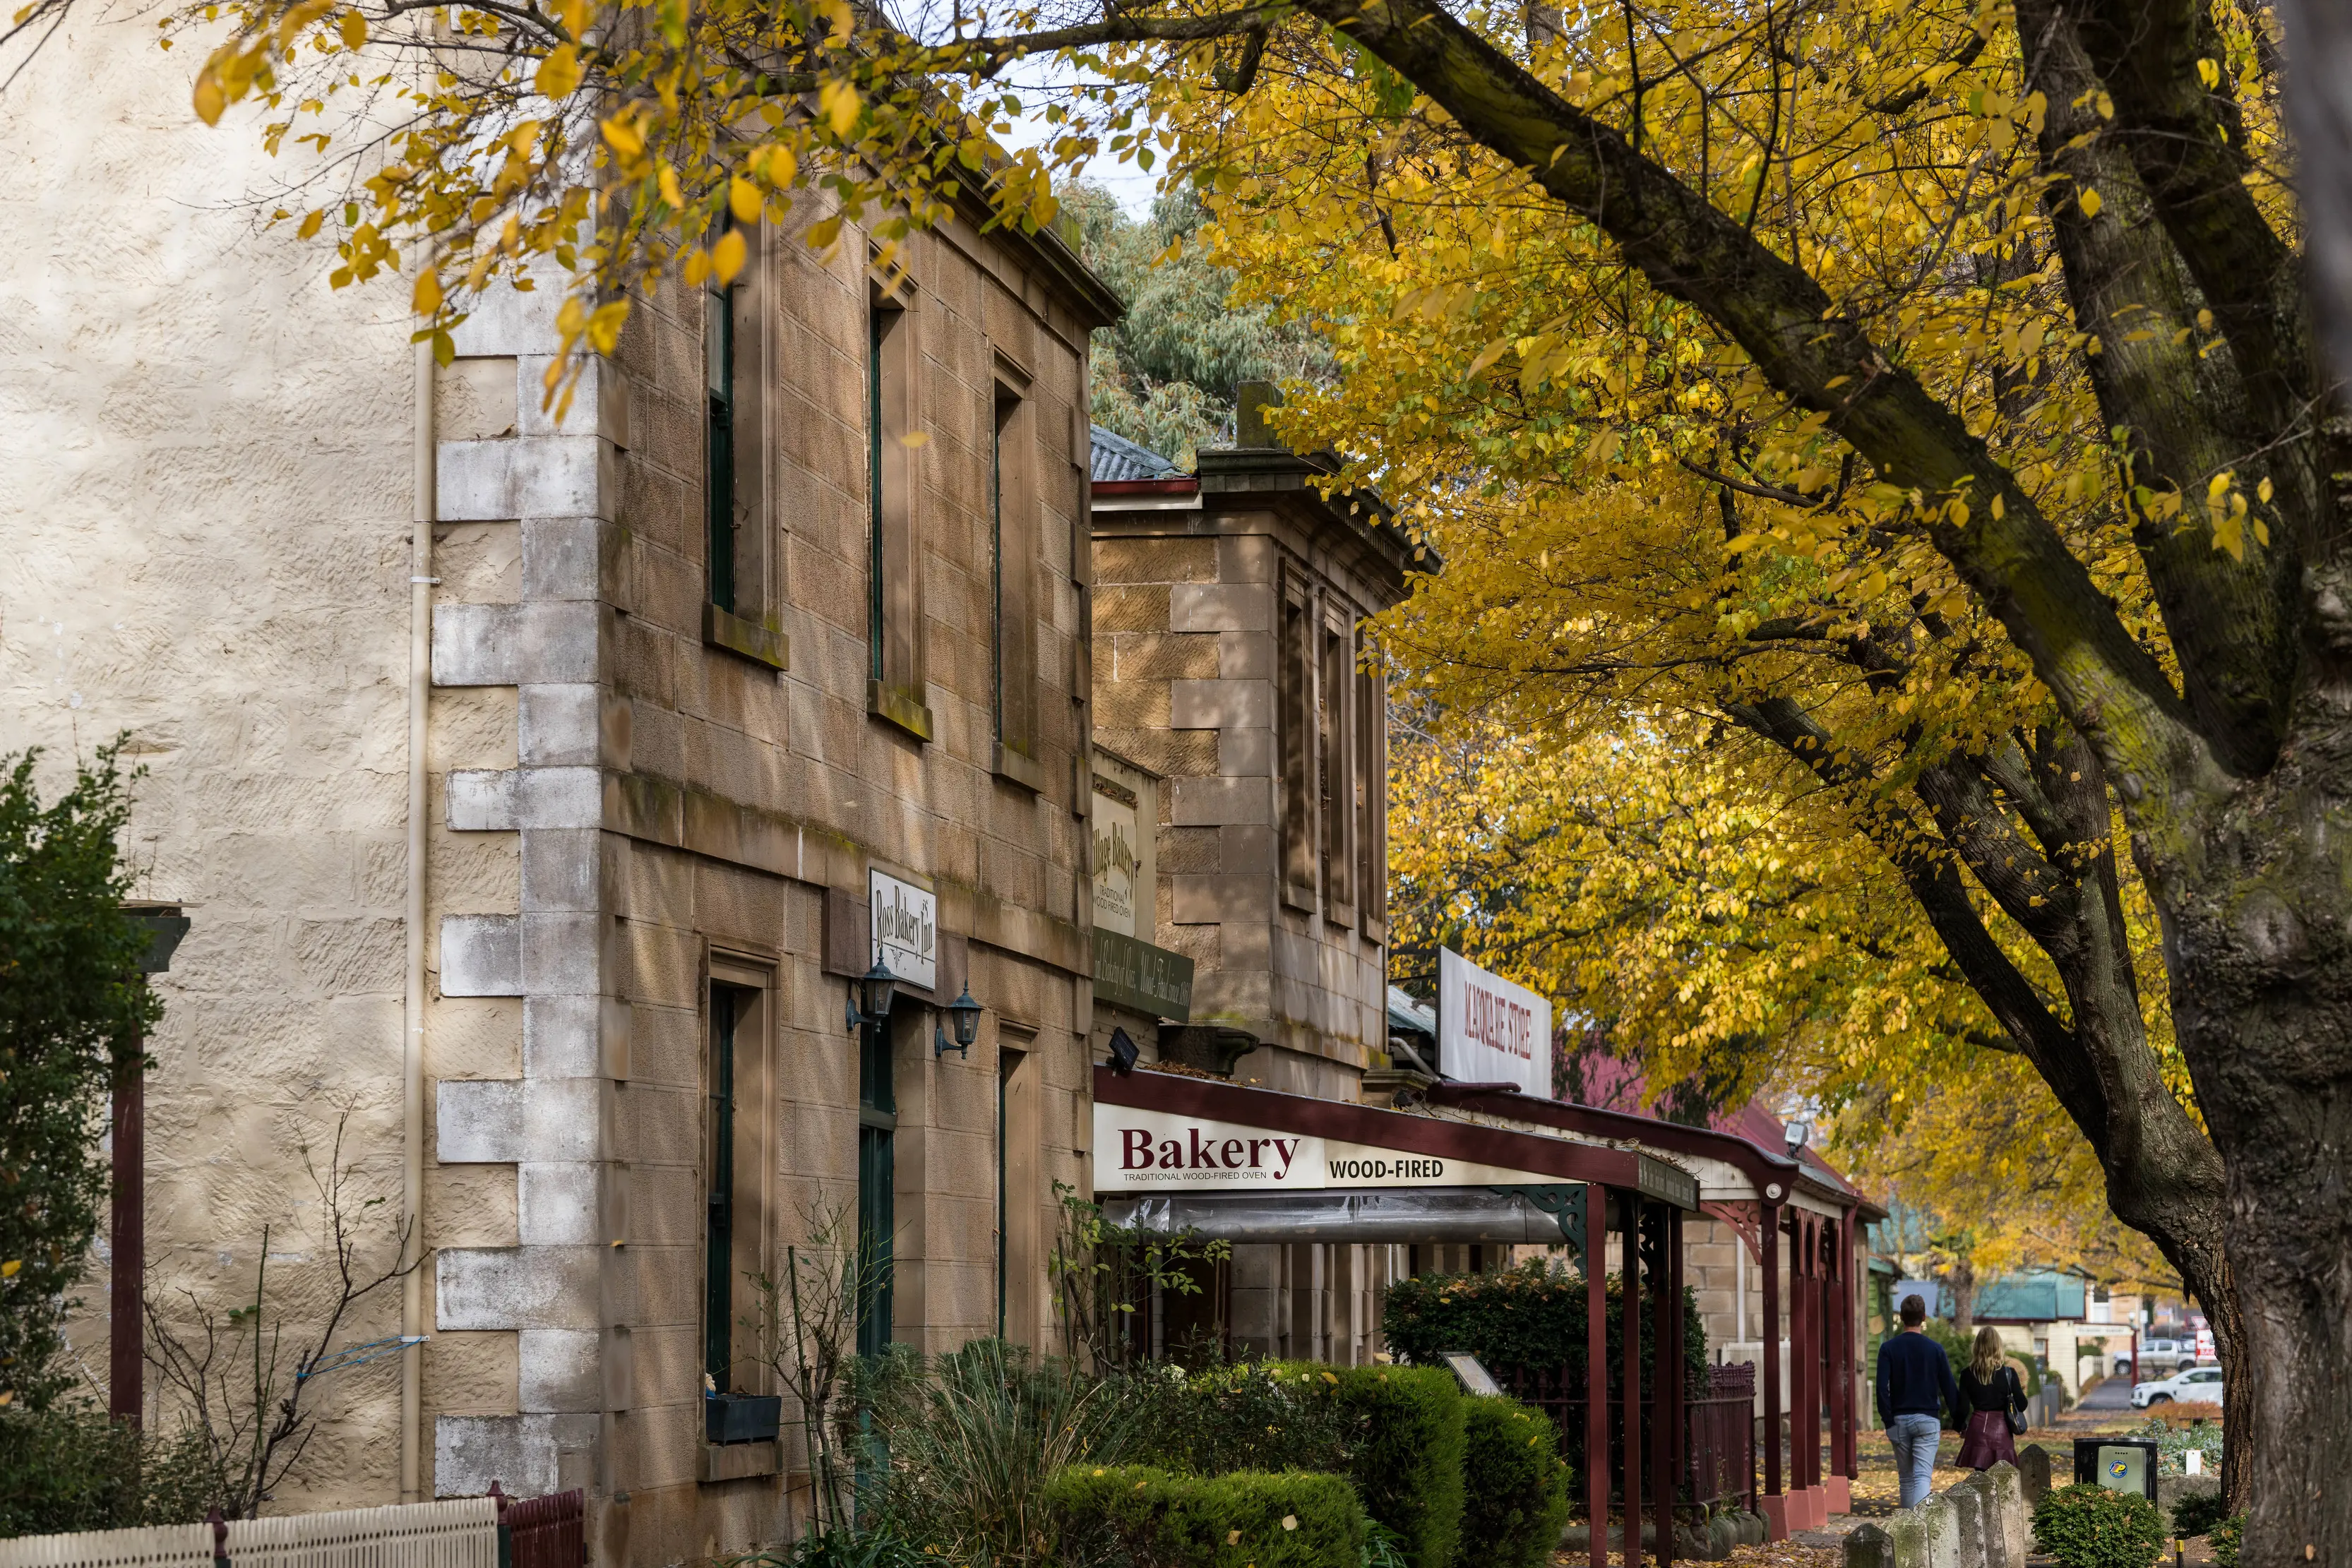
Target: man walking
{"x":1914,"y":1387}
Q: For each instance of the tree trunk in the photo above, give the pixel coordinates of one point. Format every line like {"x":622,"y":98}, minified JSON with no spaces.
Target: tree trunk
{"x":2260,"y":940}
{"x":1962,"y":1278}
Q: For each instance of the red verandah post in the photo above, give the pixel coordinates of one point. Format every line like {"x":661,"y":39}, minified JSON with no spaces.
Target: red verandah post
{"x":1596,"y":1370}
{"x":126,"y":1393}
{"x":1666,"y":1435}
{"x":1770,"y":1233}
{"x":1628,"y":1345}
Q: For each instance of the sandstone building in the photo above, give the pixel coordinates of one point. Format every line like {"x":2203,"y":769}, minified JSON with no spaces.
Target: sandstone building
{"x":721,"y":682}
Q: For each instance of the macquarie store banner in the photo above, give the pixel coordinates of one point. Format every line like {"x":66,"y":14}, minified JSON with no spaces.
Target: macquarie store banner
{"x":1490,"y":1030}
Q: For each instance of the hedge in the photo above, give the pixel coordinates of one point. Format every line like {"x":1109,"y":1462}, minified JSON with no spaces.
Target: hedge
{"x":1512,"y":1518}
{"x":2090,"y":1527}
{"x":1532,"y":1316}
{"x":1250,"y":1519}
{"x":1403,"y":1429}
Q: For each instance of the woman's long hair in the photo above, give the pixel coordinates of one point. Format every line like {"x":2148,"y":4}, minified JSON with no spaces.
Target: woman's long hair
{"x":1989,"y":1356}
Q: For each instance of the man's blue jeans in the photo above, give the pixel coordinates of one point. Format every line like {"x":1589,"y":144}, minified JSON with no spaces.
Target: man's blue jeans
{"x":1915,"y":1439}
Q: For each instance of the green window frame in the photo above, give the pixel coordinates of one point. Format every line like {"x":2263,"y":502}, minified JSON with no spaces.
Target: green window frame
{"x":719,"y":442}
{"x":877,"y":326}
{"x":878,"y":1127}
{"x":996,"y":566}
{"x":729,"y":1004}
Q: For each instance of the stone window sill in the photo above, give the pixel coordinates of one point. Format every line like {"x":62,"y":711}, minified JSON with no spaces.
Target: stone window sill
{"x":724,"y":629}
{"x":735,"y":1461}
{"x":891,"y":705}
{"x":1015,"y":769}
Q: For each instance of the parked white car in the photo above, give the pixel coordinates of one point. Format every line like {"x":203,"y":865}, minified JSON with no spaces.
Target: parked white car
{"x":2201,"y":1385}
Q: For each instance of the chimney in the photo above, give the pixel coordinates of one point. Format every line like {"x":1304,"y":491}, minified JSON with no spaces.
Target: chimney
{"x":1251,"y":400}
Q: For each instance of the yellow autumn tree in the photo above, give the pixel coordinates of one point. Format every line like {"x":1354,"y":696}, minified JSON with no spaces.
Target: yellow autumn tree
{"x":1689,"y":914}
{"x":1926,"y":393}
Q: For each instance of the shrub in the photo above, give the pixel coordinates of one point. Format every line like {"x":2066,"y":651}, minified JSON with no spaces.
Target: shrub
{"x":2227,"y":1537}
{"x":1512,"y":1517}
{"x":71,"y":1006}
{"x":1235,"y":1418}
{"x":2091,"y":1527}
{"x":1403,"y":1431}
{"x":975,"y":1437}
{"x":1251,"y":1518}
{"x":72,"y":1468}
{"x":2198,"y":1513}
{"x":1532,"y":1316}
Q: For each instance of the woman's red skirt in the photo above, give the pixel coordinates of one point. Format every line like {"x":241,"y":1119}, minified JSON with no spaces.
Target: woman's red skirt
{"x":1987,"y":1442}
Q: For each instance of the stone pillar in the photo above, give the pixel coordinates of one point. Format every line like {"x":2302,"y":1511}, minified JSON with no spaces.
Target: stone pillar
{"x":2006,"y":1487}
{"x":2032,"y":1473}
{"x":566,"y":1291}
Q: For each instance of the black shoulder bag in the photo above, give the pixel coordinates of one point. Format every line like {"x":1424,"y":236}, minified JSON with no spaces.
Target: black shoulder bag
{"x":2010,"y":1406}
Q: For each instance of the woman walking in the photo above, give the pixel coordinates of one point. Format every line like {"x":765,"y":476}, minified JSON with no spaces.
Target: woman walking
{"x":1991,"y":1391}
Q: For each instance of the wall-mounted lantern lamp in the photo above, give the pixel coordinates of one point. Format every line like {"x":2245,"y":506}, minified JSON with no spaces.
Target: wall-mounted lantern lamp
{"x":963,"y":1016}
{"x":1123,"y":1052}
{"x":871,"y":1002}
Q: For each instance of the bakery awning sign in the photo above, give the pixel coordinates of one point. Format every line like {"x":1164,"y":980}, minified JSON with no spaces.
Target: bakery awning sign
{"x":1138,"y":1149}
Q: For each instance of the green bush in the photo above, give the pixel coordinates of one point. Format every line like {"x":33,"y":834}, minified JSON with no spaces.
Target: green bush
{"x":2198,"y":1514}
{"x":2227,"y":1537}
{"x":1235,"y":1418}
{"x":1532,"y":1316}
{"x":71,"y":1467}
{"x":1252,"y":1519}
{"x":1401,"y":1427}
{"x":2091,"y":1527}
{"x":1512,"y":1517}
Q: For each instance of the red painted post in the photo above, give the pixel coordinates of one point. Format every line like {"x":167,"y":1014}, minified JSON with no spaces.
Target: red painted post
{"x":126,"y":1361}
{"x":1673,"y":1402}
{"x":1596,"y":1370}
{"x":1840,"y":1353}
{"x":1812,"y":1352}
{"x":1665,"y":1406}
{"x":1630,"y":1351}
{"x":1770,"y":1233}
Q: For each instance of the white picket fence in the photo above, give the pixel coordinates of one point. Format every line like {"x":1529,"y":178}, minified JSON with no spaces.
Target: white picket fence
{"x":457,"y":1534}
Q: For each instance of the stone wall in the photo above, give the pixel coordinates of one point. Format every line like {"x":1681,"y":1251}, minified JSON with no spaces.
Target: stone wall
{"x":211,"y":539}
{"x":207,"y":527}
{"x":1186,"y":683}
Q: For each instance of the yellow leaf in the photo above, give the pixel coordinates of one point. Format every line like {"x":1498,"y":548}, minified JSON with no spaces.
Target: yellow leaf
{"x":1489,"y":355}
{"x":426,"y":297}
{"x":838,"y":101}
{"x":2091,"y":204}
{"x":1232,"y":1537}
{"x":625,"y":136}
{"x":2263,"y":491}
{"x":210,"y":96}
{"x":727,"y":256}
{"x":354,"y":26}
{"x":310,"y":225}
{"x":8,"y":1270}
{"x":742,"y":199}
{"x":2209,"y":73}
{"x":558,"y":74}
{"x":915,"y":438}
{"x":667,"y":181}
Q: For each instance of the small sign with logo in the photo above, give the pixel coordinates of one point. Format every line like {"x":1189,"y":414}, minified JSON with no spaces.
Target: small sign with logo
{"x":905,"y":928}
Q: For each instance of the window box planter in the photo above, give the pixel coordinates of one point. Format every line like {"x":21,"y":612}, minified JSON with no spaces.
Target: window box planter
{"x":742,"y":1417}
